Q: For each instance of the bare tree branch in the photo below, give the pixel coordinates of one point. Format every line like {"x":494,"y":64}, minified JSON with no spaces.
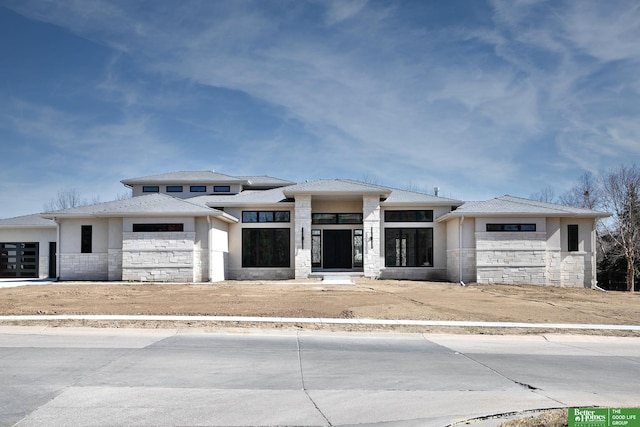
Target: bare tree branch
{"x":620,"y":196}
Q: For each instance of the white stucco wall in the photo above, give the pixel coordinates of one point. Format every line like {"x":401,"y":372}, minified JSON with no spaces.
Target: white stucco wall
{"x":115,"y":249}
{"x":219,"y":251}
{"x":577,"y":268}
{"x":75,"y":265}
{"x":458,"y":235}
{"x":234,"y":268}
{"x":186,"y":193}
{"x":439,"y":269}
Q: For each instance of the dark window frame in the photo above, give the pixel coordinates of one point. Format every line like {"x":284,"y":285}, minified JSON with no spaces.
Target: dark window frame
{"x":86,"y":239}
{"x":175,"y":188}
{"x":510,"y":228}
{"x":221,"y":188}
{"x":150,"y":188}
{"x":408,"y":215}
{"x":266,"y":248}
{"x":337,"y":218}
{"x":420,"y":256}
{"x":263,"y":217}
{"x":158,"y":227}
{"x":198,"y":188}
{"x":573,"y":238}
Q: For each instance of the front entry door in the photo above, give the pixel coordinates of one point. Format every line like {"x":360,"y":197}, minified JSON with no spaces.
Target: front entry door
{"x":337,"y":249}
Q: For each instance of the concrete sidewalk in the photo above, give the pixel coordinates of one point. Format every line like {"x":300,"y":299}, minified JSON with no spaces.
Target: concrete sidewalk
{"x":324,"y":321}
{"x":14,"y":283}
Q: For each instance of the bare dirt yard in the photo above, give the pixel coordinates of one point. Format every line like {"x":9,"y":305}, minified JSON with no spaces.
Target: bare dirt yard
{"x":378,"y":299}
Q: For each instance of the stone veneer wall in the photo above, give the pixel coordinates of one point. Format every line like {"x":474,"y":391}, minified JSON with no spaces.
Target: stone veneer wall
{"x":414,"y":273}
{"x":261,"y":274}
{"x":554,"y":267}
{"x":200,"y":265}
{"x":84,"y":266}
{"x":511,"y":258}
{"x":468,"y":265}
{"x":115,"y":264}
{"x":371,"y":225}
{"x":302,"y":260}
{"x":575,"y":270}
{"x":159,"y":256}
{"x":43,"y":267}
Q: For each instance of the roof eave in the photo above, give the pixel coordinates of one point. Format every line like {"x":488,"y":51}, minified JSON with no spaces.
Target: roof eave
{"x":458,"y":214}
{"x":415,"y":203}
{"x":214,"y":205}
{"x":30,"y":227}
{"x":335,"y":193}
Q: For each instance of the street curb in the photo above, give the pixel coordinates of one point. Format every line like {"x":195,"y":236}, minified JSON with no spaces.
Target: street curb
{"x":316,"y":320}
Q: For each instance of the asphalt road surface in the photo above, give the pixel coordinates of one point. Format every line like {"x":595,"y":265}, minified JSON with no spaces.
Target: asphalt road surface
{"x":87,"y":377}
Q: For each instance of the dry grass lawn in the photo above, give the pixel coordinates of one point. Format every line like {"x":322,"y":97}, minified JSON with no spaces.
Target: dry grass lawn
{"x":555,"y":418}
{"x":382,"y":299}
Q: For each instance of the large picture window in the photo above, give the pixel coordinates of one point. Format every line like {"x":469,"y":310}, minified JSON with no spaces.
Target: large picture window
{"x":408,"y":247}
{"x":265,"y":247}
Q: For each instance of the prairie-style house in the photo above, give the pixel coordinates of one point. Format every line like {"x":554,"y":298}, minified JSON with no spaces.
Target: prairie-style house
{"x":207,"y":226}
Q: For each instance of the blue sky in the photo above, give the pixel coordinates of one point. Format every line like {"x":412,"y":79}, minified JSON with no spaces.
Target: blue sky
{"x":478,"y":98}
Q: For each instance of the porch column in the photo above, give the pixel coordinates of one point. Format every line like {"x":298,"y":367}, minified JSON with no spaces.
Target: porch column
{"x":371,"y":224}
{"x":302,"y":233}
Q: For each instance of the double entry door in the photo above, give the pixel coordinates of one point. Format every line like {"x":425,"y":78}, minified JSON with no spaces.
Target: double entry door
{"x":337,"y":249}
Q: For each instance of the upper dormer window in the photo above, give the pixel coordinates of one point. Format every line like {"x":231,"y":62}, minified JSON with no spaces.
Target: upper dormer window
{"x":150,"y":189}
{"x":198,"y":188}
{"x":221,"y":188}
{"x":174,"y":188}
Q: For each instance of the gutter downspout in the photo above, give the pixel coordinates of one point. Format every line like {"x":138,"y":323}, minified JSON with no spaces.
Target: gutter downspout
{"x":594,"y":251}
{"x":209,"y":248}
{"x":460,"y":249}
{"x":58,"y":247}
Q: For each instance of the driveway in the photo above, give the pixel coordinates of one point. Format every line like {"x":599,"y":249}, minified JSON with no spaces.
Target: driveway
{"x":112,"y":377}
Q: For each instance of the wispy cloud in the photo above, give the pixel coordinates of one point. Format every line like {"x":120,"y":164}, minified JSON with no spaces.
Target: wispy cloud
{"x":484,"y":98}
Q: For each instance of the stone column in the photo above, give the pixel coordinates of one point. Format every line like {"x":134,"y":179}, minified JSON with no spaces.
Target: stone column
{"x":302,"y":233}
{"x":371,"y":224}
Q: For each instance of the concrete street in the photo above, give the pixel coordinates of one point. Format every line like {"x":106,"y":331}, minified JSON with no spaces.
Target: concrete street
{"x":75,"y":376}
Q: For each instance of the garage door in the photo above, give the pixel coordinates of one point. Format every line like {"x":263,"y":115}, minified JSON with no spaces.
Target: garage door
{"x":18,"y":260}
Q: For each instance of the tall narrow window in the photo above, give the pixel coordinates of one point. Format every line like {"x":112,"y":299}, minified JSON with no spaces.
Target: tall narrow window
{"x":316,"y":248}
{"x":572,"y":233}
{"x":86,"y":238}
{"x":358,"y":247}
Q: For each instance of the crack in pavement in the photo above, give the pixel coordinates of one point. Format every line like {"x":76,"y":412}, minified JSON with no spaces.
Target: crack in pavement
{"x":526,"y":386}
{"x":304,"y":386}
